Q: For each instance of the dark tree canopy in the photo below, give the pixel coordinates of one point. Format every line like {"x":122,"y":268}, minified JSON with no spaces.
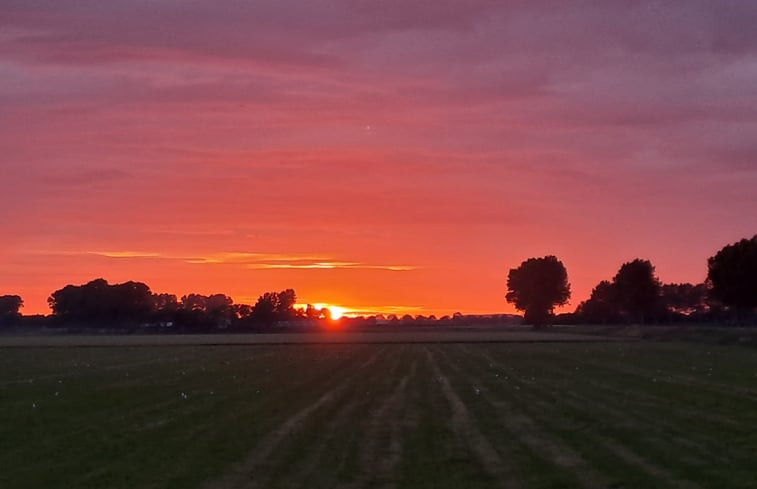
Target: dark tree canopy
{"x":537,"y":286}
{"x":217,"y":305}
{"x":637,"y":289}
{"x":685,"y":298}
{"x":10,"y":307}
{"x":241,"y":310}
{"x":215,"y":309}
{"x":165,"y":302}
{"x":199,"y":312}
{"x":602,"y":307}
{"x":100,"y":301}
{"x":274,"y":306}
{"x":733,"y":274}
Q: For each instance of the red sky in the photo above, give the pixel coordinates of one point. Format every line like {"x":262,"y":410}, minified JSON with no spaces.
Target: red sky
{"x":396,"y":156}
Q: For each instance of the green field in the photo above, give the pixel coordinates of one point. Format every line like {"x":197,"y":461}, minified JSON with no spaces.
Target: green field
{"x":514,"y":415}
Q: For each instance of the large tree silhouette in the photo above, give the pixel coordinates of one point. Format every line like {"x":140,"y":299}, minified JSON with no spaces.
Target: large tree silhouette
{"x":537,"y":286}
{"x":637,"y":289}
{"x":274,"y":306}
{"x":732,"y":272}
{"x":99,"y":301}
{"x":10,"y":305}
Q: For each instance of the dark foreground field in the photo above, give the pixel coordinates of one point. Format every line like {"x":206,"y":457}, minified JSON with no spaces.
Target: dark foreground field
{"x":515,"y":415}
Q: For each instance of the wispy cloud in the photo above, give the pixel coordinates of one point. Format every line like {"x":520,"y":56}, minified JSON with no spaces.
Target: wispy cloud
{"x":123,"y":254}
{"x":249,"y":260}
{"x":326,"y":265}
{"x":385,"y":310}
{"x":246,"y":258}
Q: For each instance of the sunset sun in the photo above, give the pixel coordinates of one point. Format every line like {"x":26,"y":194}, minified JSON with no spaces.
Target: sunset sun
{"x":336,"y":311}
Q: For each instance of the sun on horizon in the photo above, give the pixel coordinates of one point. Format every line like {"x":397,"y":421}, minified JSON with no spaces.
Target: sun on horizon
{"x":336,"y":312}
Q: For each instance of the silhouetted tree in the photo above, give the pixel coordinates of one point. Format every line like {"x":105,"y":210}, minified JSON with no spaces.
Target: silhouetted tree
{"x":10,"y":307}
{"x":264,"y":310}
{"x":637,"y":289}
{"x":274,"y":306}
{"x":165,"y":303}
{"x":193,"y":302}
{"x":287,"y":300}
{"x":99,"y":301}
{"x":733,"y":275}
{"x":684,"y":299}
{"x":602,"y":307}
{"x":537,"y":286}
{"x":202,"y":312}
{"x":165,"y":309}
{"x":219,"y":309}
{"x":242,"y":311}
{"x":312,"y":312}
{"x":326,"y":314}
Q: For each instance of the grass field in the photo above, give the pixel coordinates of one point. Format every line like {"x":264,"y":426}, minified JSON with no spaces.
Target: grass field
{"x":515,"y":415}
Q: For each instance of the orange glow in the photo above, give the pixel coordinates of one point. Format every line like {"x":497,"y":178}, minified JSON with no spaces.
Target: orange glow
{"x":336,"y":311}
{"x":385,"y":160}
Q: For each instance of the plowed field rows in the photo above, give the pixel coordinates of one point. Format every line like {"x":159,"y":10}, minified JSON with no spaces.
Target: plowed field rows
{"x":505,"y":415}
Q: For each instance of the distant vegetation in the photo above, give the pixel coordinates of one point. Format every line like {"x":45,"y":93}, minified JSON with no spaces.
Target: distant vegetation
{"x":729,"y":294}
{"x":634,"y":296}
{"x":100,"y":304}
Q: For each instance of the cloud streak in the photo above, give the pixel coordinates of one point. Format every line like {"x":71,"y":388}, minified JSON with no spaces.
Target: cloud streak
{"x":250,"y":261}
{"x":329,"y":265}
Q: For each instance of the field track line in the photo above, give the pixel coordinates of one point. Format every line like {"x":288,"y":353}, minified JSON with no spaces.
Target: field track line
{"x":530,"y":434}
{"x":389,"y":464}
{"x":463,"y":426}
{"x":386,"y":417}
{"x":299,"y":475}
{"x":242,"y":476}
{"x":625,"y":453}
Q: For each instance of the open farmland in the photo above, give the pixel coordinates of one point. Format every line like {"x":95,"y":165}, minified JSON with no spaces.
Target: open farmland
{"x":515,"y":415}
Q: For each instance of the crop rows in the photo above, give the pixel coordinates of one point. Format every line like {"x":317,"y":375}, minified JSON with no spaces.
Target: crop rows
{"x":594,"y":415}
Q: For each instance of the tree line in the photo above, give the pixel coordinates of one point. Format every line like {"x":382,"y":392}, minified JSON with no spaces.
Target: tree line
{"x":118,"y":306}
{"x":101,"y":303}
{"x":636,"y":295}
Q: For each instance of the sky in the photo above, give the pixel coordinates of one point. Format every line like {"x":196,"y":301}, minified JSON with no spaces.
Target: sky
{"x":393,"y":156}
